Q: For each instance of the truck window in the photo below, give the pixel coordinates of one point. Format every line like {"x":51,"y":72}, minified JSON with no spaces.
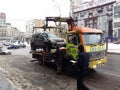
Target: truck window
{"x":73,"y":38}
{"x":92,"y":39}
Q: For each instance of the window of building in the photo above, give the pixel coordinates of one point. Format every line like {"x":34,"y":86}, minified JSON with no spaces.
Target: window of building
{"x":100,"y":9}
{"x":91,"y":22}
{"x":109,"y":8}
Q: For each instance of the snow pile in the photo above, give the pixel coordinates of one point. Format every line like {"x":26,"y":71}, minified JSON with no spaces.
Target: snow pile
{"x":27,"y":44}
{"x":114,"y":48}
{"x":22,"y":43}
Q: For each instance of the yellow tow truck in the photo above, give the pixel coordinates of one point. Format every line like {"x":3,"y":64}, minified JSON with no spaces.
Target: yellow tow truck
{"x":91,"y":39}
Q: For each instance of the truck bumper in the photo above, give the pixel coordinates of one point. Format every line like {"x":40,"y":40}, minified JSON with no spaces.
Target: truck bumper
{"x":97,"y":63}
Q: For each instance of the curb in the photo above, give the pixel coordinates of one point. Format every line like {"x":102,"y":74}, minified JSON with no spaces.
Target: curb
{"x":113,"y":53}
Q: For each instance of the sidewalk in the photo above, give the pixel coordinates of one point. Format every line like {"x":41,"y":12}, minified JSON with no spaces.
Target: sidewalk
{"x":4,"y":83}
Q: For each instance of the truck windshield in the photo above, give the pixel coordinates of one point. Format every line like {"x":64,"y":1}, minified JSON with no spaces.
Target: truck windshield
{"x":92,"y":39}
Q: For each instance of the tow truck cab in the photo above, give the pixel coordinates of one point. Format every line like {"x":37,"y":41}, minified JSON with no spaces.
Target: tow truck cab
{"x":92,"y":41}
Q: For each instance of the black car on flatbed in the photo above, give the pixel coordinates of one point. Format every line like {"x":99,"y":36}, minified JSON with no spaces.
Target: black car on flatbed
{"x":46,"y":41}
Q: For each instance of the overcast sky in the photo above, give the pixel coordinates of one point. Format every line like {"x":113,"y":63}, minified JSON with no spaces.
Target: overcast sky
{"x":20,"y":11}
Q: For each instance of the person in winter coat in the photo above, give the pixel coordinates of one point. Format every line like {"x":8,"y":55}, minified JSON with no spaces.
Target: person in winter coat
{"x":82,"y":66}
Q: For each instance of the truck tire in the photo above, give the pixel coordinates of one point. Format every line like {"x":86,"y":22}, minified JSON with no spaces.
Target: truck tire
{"x":68,"y":67}
{"x":91,"y":70}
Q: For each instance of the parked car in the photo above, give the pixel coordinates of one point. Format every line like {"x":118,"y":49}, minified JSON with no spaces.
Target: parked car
{"x":13,"y":47}
{"x":4,"y":51}
{"x":6,"y":43}
{"x":22,"y":45}
{"x":46,"y":40}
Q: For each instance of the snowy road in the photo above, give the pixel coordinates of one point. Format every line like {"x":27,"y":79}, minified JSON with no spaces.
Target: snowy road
{"x":27,"y":75}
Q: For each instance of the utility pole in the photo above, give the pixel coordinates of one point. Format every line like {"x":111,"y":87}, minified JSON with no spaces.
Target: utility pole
{"x":58,"y":6}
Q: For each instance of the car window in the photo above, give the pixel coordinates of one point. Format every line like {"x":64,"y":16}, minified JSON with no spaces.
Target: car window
{"x":41,"y":37}
{"x":33,"y":36}
{"x":36,"y":36}
{"x":44,"y":35}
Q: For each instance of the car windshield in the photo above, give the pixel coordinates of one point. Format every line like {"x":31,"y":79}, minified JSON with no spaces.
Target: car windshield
{"x":51,"y":35}
{"x":92,"y":39}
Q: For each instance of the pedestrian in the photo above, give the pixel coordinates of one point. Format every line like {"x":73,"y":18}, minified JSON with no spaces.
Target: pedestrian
{"x":82,"y":66}
{"x":59,"y":59}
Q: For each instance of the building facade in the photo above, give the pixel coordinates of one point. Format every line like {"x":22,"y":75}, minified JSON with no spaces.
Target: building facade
{"x":31,"y":24}
{"x":3,"y":32}
{"x":116,"y":20}
{"x":9,"y":32}
{"x":95,"y":14}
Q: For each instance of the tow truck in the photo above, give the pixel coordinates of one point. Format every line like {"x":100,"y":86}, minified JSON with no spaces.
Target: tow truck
{"x":90,"y":38}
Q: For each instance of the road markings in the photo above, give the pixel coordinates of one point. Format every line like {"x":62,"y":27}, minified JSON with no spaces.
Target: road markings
{"x":112,"y":74}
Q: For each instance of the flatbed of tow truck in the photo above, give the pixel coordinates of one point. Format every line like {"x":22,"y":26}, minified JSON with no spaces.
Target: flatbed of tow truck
{"x":43,"y":57}
{"x":50,"y":57}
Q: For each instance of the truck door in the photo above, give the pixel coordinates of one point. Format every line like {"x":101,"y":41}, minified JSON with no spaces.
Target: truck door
{"x":72,"y":44}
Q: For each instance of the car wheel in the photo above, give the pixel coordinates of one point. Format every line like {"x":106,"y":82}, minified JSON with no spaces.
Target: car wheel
{"x":33,"y":46}
{"x":3,"y":53}
{"x":9,"y":53}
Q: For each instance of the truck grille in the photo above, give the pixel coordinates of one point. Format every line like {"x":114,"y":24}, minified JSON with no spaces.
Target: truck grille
{"x":96,"y":55}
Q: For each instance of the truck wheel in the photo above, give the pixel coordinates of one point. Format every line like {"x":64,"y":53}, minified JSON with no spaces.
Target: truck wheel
{"x":69,"y":69}
{"x":91,"y":70}
{"x":47,"y":48}
{"x":33,"y":47}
